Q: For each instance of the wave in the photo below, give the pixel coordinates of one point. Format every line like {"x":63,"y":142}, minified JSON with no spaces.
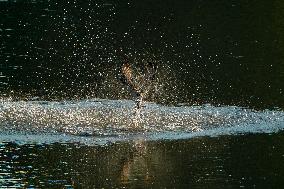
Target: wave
{"x":99,"y":121}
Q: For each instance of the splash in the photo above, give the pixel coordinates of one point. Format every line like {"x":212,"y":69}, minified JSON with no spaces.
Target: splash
{"x":99,"y":120}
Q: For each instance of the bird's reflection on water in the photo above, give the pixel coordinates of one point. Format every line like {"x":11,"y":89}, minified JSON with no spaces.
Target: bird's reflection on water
{"x":136,"y":163}
{"x":231,"y":161}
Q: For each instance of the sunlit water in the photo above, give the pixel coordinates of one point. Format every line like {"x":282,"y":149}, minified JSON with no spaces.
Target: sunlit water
{"x":99,"y":121}
{"x":107,"y":143}
{"x":216,"y":52}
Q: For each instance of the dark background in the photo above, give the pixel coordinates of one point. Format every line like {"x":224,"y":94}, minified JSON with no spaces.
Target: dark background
{"x":219,"y":52}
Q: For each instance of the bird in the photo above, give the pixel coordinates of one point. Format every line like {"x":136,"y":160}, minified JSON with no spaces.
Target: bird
{"x":138,"y":80}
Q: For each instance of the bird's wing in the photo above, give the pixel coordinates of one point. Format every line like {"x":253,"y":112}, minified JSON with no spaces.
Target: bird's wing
{"x":127,"y":73}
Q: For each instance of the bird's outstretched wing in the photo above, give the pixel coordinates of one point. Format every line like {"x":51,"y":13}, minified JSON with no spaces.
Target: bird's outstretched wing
{"x":128,"y":78}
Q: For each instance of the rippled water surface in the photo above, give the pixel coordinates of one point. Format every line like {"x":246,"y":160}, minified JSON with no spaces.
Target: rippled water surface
{"x":106,"y":143}
{"x":250,"y":161}
{"x":213,"y":113}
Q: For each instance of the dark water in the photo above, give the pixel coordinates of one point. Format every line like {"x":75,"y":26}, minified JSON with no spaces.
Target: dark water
{"x":213,"y":117}
{"x":251,"y":161}
{"x":218,"y":52}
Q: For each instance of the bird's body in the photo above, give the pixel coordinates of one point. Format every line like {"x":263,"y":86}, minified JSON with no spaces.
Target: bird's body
{"x":138,"y":82}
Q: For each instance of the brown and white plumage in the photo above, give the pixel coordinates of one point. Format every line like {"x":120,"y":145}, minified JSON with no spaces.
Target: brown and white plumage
{"x":128,"y":77}
{"x":137,"y":84}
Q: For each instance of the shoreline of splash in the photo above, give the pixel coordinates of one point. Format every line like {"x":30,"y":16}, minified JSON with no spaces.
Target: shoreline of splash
{"x":101,"y":121}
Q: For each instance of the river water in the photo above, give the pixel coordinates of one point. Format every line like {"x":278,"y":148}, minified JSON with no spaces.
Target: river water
{"x":99,"y":143}
{"x":212,"y":118}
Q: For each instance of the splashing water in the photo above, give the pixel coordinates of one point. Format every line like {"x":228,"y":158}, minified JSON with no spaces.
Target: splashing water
{"x":112,"y":120}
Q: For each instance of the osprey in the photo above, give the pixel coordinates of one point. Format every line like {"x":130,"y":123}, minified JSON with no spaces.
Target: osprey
{"x":138,"y":81}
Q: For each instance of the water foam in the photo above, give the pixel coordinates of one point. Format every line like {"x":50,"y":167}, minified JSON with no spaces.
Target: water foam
{"x":100,"y":121}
